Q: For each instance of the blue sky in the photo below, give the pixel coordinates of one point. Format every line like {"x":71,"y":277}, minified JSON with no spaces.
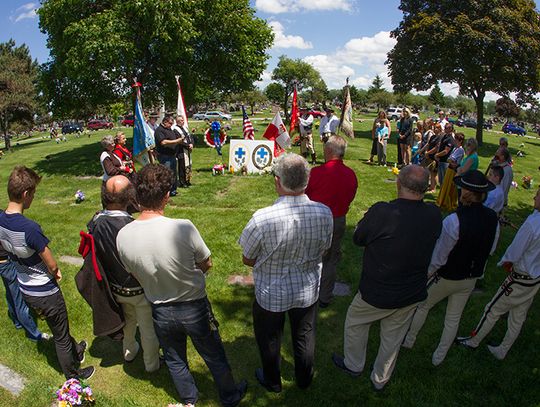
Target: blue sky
{"x":339,"y":38}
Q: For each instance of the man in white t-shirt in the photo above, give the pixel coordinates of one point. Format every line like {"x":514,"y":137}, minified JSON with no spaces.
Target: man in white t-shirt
{"x":329,"y":125}
{"x":169,"y":259}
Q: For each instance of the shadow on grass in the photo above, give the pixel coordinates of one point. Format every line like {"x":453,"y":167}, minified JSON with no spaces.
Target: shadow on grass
{"x":82,"y":160}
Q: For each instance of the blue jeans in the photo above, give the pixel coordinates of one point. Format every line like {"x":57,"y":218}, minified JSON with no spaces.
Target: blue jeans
{"x":441,"y":170}
{"x":18,"y":311}
{"x":169,"y":161}
{"x":174,"y":322}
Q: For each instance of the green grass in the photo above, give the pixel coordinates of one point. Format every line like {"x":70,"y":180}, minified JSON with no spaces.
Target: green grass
{"x":220,"y":207}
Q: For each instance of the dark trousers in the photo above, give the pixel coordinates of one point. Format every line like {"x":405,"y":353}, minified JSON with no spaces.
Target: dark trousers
{"x":182,"y":173}
{"x":18,"y":311}
{"x":331,"y":260}
{"x":53,"y":309}
{"x":268,"y":328}
{"x":399,"y":153}
{"x":169,"y":161}
{"x":174,"y":322}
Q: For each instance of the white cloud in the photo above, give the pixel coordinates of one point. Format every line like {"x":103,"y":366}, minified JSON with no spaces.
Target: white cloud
{"x":293,"y":6}
{"x":360,"y":58}
{"x":27,"y":10}
{"x":266,"y":78}
{"x":287,"y":41}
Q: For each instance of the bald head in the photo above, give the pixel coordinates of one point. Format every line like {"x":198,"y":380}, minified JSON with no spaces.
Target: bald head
{"x":412,"y":182}
{"x":117,"y":193}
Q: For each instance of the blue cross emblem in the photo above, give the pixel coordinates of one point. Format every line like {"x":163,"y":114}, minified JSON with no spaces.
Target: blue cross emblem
{"x":240,"y":153}
{"x":262,"y":153}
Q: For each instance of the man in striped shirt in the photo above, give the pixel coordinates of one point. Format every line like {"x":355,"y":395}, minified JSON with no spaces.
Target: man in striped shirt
{"x":37,"y":270}
{"x":285,"y":243}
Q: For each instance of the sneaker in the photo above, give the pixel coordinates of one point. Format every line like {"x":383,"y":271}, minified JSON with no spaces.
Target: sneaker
{"x":45,"y":336}
{"x":494,"y":350}
{"x":86,"y":373}
{"x":81,"y":356}
{"x":339,"y":361}
{"x":464,"y":341}
{"x":173,"y":193}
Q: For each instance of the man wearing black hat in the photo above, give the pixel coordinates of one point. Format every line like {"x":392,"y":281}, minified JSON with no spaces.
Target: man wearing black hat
{"x":329,"y":125}
{"x":468,"y":237}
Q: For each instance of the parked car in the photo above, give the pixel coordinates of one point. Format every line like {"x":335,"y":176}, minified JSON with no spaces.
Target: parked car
{"x":511,"y":128}
{"x":394,"y":113}
{"x":99,"y":124}
{"x":128,"y":121}
{"x":215,"y":115}
{"x":198,"y":116}
{"x":69,"y":128}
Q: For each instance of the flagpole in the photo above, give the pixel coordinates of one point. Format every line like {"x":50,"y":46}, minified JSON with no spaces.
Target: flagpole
{"x":138,"y":99}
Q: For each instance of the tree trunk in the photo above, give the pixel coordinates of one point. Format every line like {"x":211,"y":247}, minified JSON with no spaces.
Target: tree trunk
{"x":285,"y":104}
{"x":4,"y":128}
{"x":479,"y":100}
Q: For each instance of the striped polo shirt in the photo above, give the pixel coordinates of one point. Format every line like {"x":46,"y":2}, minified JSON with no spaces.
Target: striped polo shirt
{"x":24,"y":240}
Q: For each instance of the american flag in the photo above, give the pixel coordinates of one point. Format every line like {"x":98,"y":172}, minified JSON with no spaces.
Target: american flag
{"x":247,"y":126}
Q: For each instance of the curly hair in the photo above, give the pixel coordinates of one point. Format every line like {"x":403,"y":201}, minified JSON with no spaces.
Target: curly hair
{"x":154,"y":181}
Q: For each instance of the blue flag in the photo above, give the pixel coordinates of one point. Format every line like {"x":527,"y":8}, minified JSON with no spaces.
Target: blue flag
{"x":143,"y":135}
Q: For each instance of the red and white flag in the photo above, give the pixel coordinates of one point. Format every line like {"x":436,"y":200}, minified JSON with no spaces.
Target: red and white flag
{"x":180,"y":107}
{"x":277,"y":132}
{"x":247,"y":127}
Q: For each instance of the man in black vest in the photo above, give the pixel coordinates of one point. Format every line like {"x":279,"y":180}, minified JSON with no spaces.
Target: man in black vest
{"x":468,"y":237}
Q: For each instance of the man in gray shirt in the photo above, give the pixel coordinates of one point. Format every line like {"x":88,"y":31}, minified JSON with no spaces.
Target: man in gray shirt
{"x":169,"y":258}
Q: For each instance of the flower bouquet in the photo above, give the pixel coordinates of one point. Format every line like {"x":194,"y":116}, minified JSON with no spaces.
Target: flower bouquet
{"x":527,"y":181}
{"x":79,"y":196}
{"x":74,"y":393}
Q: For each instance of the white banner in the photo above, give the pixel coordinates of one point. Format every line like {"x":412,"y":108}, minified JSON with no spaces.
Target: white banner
{"x":256,"y":155}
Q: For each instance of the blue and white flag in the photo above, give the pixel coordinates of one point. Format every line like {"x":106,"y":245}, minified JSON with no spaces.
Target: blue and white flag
{"x":143,"y":135}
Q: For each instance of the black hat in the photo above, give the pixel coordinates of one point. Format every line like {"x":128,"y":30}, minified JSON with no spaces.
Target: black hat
{"x":474,"y":181}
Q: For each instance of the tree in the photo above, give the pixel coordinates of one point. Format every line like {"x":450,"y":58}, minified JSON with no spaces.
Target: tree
{"x":436,"y":96}
{"x":289,"y":72}
{"x":507,"y":108}
{"x":489,"y":107}
{"x":358,"y":96}
{"x":18,"y":95}
{"x":274,"y":92}
{"x":480,"y":45}
{"x":252,"y":98}
{"x":376,"y":85}
{"x":382,"y":99}
{"x":464,"y":105}
{"x":98,"y":47}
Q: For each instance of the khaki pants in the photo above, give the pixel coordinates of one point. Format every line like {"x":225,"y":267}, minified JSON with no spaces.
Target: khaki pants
{"x":306,"y":144}
{"x":330,"y":262}
{"x":514,"y":296}
{"x":458,"y":293}
{"x":394,"y":324}
{"x":138,"y":311}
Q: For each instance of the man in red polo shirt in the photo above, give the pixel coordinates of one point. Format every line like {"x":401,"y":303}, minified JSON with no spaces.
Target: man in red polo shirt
{"x":333,"y":184}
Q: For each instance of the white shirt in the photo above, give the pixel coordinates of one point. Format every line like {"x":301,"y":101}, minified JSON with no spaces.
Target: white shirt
{"x":288,"y":240}
{"x":307,"y":122}
{"x":328,"y":125}
{"x":506,"y":182}
{"x":524,"y":251}
{"x":448,"y":239}
{"x":495,"y":199}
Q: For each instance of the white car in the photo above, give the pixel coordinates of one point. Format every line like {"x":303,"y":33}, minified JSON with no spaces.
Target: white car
{"x":215,"y":115}
{"x":198,"y":116}
{"x":394,"y":113}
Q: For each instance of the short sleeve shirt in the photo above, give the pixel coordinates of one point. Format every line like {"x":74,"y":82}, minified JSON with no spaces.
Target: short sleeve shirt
{"x":163,"y":253}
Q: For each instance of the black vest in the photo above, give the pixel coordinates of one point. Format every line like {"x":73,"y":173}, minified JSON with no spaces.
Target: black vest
{"x":477,"y":228}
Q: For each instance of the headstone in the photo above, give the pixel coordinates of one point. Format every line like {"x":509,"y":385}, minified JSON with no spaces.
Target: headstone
{"x":11,"y":381}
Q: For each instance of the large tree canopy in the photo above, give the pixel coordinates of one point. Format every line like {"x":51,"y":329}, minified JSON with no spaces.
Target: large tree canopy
{"x":289,"y":72}
{"x":98,"y":46}
{"x":480,"y":45}
{"x":18,"y":95}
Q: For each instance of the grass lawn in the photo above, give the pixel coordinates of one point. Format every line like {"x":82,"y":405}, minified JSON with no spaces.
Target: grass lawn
{"x":220,"y":207}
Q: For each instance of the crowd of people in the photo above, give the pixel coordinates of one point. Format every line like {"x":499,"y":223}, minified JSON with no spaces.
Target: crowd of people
{"x":155,"y":266}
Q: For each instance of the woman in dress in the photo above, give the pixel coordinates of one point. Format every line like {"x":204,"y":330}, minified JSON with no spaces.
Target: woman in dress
{"x":406,"y":136}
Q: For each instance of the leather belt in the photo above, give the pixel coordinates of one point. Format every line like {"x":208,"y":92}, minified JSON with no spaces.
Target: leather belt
{"x":126,"y":292}
{"x":519,"y":276}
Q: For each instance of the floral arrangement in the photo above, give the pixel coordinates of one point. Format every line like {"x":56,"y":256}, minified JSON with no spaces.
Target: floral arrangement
{"x":74,"y":393}
{"x":79,"y":196}
{"x":218,"y":169}
{"x":527,"y":181}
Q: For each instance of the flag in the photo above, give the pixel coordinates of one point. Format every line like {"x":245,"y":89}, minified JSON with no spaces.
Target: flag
{"x":180,"y":107}
{"x":277,"y":132}
{"x":247,"y":127}
{"x":346,"y":123}
{"x":294,"y":112}
{"x":143,"y":135}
